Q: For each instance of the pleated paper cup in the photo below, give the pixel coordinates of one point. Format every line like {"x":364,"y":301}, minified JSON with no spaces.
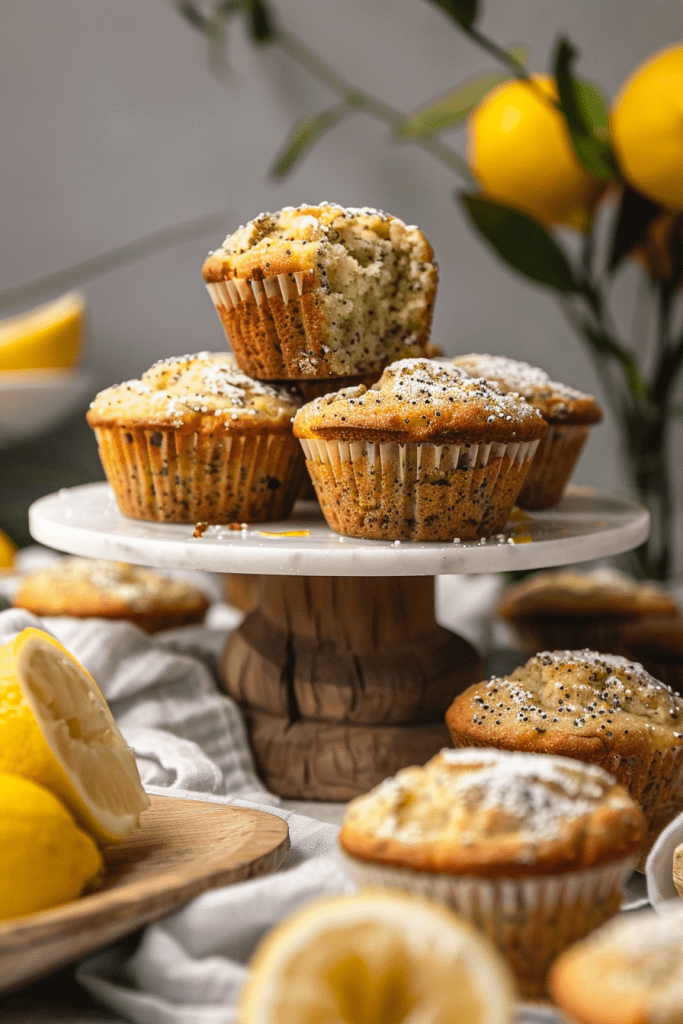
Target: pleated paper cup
{"x":417,"y":491}
{"x":173,"y":476}
{"x":279,"y":328}
{"x":553,"y":465}
{"x":531,"y":920}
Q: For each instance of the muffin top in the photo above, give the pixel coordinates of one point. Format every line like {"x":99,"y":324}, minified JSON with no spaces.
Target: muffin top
{"x":487,"y":812}
{"x":76,"y":585}
{"x":605,"y":591}
{"x":629,"y":971}
{"x":295,"y":239}
{"x":589,"y":701}
{"x":556,"y":402}
{"x":421,"y":400}
{"x":205,"y":391}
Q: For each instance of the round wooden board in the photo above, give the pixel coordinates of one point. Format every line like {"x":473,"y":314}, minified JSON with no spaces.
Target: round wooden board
{"x":182,"y":848}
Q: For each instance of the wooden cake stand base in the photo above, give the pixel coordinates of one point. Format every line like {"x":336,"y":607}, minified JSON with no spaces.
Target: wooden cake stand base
{"x":343,"y":680}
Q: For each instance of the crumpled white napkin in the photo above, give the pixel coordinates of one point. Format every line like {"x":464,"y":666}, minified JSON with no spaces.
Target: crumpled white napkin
{"x":185,"y":733}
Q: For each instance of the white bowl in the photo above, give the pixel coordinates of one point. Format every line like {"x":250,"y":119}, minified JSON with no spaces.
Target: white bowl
{"x":33,"y":401}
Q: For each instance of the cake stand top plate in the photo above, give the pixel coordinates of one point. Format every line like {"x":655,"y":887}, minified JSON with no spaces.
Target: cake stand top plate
{"x":86,"y":521}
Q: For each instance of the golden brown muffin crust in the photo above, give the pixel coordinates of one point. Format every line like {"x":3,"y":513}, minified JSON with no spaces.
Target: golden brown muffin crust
{"x":421,"y":400}
{"x":291,"y":240}
{"x":629,"y":971}
{"x":569,"y":592}
{"x":204,"y":392}
{"x":94,"y":588}
{"x":556,"y":402}
{"x":493,"y":813}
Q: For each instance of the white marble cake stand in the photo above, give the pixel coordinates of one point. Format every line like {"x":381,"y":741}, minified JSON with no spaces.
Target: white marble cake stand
{"x":340,"y":667}
{"x":86,"y":521}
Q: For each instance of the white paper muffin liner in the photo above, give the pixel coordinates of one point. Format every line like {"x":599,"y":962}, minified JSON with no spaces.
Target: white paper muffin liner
{"x":189,"y":477}
{"x":553,"y":464}
{"x":284,"y":327}
{"x":417,"y":491}
{"x":531,"y":920}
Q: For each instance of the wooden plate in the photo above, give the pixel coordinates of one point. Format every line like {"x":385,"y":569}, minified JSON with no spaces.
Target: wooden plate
{"x":182,"y":848}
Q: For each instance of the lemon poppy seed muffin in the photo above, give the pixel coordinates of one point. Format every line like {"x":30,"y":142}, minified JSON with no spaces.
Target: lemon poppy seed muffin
{"x":197,"y":440}
{"x":564,"y":609}
{"x":569,"y":413}
{"x":533,"y":849}
{"x":95,"y":588}
{"x":629,"y":971}
{"x":426,"y":453}
{"x":323,"y":291}
{"x":595,"y":707}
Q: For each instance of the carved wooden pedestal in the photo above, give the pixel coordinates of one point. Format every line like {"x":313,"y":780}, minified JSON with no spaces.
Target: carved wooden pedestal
{"x":343,"y":680}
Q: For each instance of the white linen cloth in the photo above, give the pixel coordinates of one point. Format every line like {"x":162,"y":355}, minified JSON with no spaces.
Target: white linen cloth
{"x":189,"y":740}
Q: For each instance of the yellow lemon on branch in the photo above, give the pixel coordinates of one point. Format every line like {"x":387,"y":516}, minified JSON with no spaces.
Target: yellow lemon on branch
{"x":646,"y":125}
{"x":520,"y":152}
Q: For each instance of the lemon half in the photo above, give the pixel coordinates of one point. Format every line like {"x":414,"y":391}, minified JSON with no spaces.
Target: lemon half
{"x":45,"y":859}
{"x":381,"y":957}
{"x":47,"y":336}
{"x":56,"y":728}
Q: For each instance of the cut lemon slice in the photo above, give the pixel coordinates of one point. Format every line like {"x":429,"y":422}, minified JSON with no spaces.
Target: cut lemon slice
{"x":56,"y":728}
{"x":376,"y":958}
{"x":49,"y":335}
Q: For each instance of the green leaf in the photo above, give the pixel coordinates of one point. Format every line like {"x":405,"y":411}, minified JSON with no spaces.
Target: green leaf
{"x":260,"y":20}
{"x":465,"y":12}
{"x":607,"y":346}
{"x":522,"y":242}
{"x":636,"y":213}
{"x":453,"y":109}
{"x":193,"y":15}
{"x":585,"y":114}
{"x":304,"y":134}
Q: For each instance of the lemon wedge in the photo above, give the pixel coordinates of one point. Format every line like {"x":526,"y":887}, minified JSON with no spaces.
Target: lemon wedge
{"x":47,"y":336}
{"x":45,"y":859}
{"x":379,"y":957}
{"x":56,"y":728}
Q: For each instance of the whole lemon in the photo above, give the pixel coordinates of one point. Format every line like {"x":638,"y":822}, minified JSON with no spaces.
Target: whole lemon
{"x":519,"y":150}
{"x":646,"y":125}
{"x":45,"y":859}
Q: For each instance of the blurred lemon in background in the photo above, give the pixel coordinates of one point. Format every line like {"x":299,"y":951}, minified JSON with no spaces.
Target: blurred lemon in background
{"x":646,"y":125}
{"x":519,"y":150}
{"x":45,"y":859}
{"x":56,"y":728}
{"x":47,"y":336}
{"x":380,"y":957}
{"x":7,"y":552}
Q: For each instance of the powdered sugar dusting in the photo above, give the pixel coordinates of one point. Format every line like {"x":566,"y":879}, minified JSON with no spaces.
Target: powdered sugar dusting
{"x":421,"y":383}
{"x":514,"y":375}
{"x":205,"y":383}
{"x":476,"y":794}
